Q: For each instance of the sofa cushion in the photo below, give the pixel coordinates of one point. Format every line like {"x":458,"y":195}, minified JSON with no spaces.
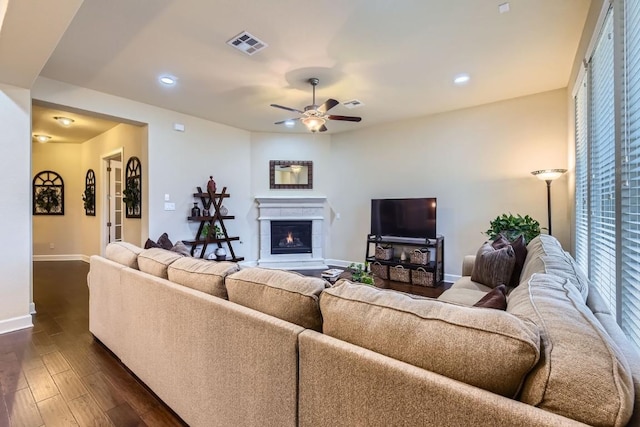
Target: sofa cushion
{"x":465,"y":282}
{"x":539,"y":246}
{"x":490,"y":349}
{"x":202,"y":275}
{"x":283,"y":294}
{"x":493,"y":267}
{"x":155,"y":261}
{"x":581,"y":374}
{"x":462,"y":296}
{"x":123,"y":253}
{"x":519,"y":249}
{"x":564,"y":266}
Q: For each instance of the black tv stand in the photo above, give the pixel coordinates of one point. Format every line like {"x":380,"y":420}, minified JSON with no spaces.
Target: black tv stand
{"x":436,"y":245}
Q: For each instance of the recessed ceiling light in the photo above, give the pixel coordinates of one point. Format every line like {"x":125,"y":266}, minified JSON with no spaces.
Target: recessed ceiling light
{"x":461,"y":79}
{"x":42,"y":138}
{"x":168,"y":80}
{"x":289,"y":123}
{"x":503,"y":8}
{"x":64,"y":121}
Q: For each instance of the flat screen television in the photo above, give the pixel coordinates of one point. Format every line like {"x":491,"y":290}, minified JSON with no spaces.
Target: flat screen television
{"x":414,"y":218}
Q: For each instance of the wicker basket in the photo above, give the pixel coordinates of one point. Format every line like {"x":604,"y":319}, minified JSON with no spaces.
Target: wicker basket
{"x":420,"y":256}
{"x":400,"y":274}
{"x":379,"y":270}
{"x":422,"y":277}
{"x":383,"y":253}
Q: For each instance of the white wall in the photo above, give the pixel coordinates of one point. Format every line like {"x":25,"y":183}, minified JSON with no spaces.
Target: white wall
{"x":176,"y":162}
{"x":476,"y":161}
{"x":15,"y":209}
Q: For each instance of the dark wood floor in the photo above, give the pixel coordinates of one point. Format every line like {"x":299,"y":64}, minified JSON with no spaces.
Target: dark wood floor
{"x":57,"y":374}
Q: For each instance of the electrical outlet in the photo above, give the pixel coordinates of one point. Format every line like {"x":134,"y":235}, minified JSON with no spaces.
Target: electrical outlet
{"x":52,"y":246}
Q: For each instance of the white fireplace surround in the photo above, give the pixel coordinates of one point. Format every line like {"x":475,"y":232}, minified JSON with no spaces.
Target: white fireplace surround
{"x":292,"y":208}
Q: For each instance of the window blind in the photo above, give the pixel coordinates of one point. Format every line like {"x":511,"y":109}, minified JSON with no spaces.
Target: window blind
{"x":602,"y":224}
{"x":582,"y":177}
{"x":630,"y":174}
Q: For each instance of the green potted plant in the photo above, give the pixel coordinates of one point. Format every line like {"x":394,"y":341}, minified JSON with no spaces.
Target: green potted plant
{"x":216,"y":231}
{"x":88,"y":198}
{"x":512,"y":226}
{"x":358,"y":274}
{"x":131,"y":194}
{"x":48,"y":199}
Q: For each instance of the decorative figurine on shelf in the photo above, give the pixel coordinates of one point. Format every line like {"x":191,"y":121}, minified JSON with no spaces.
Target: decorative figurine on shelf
{"x":223,"y":210}
{"x":205,"y":212}
{"x":211,"y":186}
{"x":195,"y":210}
{"x":221,"y":254}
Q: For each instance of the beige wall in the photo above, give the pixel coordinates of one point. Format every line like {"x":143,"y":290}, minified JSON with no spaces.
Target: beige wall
{"x":61,"y":231}
{"x":15,"y":209}
{"x":476,"y":161}
{"x":131,"y":139}
{"x":176,"y":162}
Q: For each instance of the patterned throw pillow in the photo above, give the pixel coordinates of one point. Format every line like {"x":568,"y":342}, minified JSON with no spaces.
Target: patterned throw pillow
{"x":497,"y":299}
{"x":493,"y":267}
{"x":520,"y":248}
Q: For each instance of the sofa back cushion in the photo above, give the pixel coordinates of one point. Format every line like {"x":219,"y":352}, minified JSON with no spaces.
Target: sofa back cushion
{"x":283,"y":294}
{"x":490,"y":349}
{"x":202,"y":275}
{"x":155,"y":261}
{"x":123,"y":253}
{"x":581,"y":374}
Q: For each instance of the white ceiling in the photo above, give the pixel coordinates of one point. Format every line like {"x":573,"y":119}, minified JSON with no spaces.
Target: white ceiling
{"x":398,"y":57}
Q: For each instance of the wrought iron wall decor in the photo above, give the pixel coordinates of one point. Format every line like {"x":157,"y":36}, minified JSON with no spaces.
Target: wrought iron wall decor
{"x":89,"y":195}
{"x":133,"y":188}
{"x":48,"y":194}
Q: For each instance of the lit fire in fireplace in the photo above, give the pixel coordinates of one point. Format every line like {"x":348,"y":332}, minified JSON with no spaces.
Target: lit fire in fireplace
{"x":289,"y":238}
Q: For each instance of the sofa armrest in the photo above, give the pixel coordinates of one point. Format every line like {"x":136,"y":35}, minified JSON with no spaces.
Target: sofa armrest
{"x":467,"y":264}
{"x":343,"y":384}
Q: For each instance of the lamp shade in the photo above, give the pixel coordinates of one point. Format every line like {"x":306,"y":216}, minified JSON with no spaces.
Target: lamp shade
{"x":313,"y":123}
{"x":548,"y":174}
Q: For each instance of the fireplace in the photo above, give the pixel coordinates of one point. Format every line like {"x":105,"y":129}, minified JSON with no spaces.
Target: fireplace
{"x":290,"y":237}
{"x":304,"y":218}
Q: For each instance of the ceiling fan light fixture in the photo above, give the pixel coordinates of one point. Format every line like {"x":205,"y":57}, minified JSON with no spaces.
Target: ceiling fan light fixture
{"x":313,"y":123}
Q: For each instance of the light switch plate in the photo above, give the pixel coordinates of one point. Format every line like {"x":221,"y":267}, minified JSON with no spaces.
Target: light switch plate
{"x":169,"y":206}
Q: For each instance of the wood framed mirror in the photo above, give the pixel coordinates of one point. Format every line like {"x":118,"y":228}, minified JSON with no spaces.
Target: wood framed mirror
{"x":290,"y":174}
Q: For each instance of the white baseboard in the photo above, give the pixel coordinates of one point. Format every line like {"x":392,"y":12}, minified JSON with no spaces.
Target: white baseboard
{"x":71,"y":257}
{"x":15,"y":324}
{"x":451,"y":278}
{"x":32,"y":308}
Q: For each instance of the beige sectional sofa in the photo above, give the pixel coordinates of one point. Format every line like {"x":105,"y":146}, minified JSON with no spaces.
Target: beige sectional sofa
{"x":257,"y":347}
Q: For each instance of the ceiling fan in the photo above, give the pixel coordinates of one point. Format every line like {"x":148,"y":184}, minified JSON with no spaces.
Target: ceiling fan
{"x":315,"y":116}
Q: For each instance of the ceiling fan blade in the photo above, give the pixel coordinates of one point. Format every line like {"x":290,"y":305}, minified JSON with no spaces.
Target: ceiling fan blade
{"x":288,"y":120}
{"x":328,"y":105}
{"x":323,"y":129}
{"x":287,"y":108}
{"x":345,"y":118}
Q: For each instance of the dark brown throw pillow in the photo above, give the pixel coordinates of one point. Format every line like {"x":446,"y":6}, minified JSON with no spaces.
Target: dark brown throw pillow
{"x":151,"y":244}
{"x":493,"y":267}
{"x":164,"y":242}
{"x":520,"y":249}
{"x":497,"y":299}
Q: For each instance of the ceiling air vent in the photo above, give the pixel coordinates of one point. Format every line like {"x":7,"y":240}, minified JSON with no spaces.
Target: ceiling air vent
{"x":353,"y":103}
{"x":247,"y":43}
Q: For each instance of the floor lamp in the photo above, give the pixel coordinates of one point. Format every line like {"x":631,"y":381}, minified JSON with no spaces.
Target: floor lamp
{"x":548,"y":175}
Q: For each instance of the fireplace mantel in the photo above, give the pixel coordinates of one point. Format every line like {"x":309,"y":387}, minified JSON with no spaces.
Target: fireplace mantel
{"x":277,"y":208}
